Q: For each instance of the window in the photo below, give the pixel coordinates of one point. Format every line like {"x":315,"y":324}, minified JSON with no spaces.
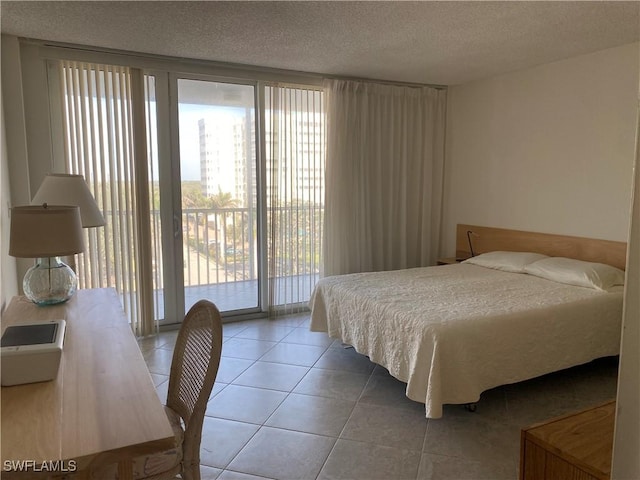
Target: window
{"x":111,"y":119}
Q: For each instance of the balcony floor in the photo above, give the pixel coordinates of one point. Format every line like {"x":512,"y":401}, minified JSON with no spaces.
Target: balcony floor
{"x":240,"y":295}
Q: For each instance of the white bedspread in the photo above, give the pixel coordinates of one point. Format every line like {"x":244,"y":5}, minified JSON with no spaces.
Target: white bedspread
{"x":451,"y":332}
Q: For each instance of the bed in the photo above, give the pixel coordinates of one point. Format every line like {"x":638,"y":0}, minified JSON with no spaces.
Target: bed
{"x":451,"y":332}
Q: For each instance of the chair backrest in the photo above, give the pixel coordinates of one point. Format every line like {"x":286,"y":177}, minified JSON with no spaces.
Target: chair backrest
{"x":194,"y":367}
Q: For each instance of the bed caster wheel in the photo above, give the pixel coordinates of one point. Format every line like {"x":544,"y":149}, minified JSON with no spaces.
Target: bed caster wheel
{"x":471,"y":407}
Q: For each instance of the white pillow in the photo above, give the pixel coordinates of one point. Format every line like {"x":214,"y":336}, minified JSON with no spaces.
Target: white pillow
{"x":577,"y":272}
{"x":505,"y":261}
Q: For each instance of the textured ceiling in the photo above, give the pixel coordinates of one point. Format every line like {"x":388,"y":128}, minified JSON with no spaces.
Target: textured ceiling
{"x":423,"y":42}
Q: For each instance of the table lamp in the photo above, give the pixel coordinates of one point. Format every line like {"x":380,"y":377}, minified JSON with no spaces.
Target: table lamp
{"x":46,"y":232}
{"x":70,"y":189}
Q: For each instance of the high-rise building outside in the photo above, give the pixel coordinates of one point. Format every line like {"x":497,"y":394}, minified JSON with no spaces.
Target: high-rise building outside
{"x":228,"y":157}
{"x":217,"y":155}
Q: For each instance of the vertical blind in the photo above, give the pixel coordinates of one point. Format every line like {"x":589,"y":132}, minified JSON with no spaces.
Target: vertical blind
{"x":98,"y":126}
{"x":295,"y":140}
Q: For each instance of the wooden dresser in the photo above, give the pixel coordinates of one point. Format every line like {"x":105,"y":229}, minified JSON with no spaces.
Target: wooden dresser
{"x":573,"y":447}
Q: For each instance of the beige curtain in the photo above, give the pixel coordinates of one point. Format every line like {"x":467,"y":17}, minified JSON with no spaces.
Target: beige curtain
{"x":384,"y":176}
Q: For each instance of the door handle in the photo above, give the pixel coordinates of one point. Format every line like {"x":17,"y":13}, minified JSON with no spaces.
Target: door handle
{"x":176,"y":226}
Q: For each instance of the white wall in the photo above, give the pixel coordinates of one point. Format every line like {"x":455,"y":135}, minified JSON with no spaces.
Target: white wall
{"x":626,"y":445}
{"x":548,"y":149}
{"x":13,"y":164}
{"x":8,"y":284}
{"x":552,"y":149}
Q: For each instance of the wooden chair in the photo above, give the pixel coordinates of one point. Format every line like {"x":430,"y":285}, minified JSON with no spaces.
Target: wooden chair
{"x":194,"y":367}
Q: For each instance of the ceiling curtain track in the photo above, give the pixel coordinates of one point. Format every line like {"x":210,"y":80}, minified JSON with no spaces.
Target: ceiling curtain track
{"x":384,"y":176}
{"x":104,"y":140}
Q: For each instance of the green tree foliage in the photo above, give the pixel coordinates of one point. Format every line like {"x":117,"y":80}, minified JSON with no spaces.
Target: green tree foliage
{"x":222,"y":200}
{"x":192,"y":196}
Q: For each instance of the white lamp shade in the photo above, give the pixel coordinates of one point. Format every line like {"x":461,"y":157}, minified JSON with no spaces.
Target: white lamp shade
{"x":45,"y":231}
{"x":68,"y":189}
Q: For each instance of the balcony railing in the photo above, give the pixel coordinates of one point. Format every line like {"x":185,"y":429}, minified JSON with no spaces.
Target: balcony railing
{"x":220,"y":255}
{"x":220,"y":251}
{"x":220,"y":245}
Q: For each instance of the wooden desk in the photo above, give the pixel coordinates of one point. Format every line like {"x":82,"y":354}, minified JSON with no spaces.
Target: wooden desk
{"x":101,"y":409}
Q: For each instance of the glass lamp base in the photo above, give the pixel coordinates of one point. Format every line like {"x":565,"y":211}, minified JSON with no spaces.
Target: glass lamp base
{"x":49,"y":281}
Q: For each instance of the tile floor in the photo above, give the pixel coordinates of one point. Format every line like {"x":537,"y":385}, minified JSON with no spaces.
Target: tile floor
{"x":293,"y":404}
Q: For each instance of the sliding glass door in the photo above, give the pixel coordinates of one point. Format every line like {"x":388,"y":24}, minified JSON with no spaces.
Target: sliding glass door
{"x":251,"y":193}
{"x":219,"y":192}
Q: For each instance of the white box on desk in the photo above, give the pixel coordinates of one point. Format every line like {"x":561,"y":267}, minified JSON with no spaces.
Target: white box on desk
{"x":31,"y":352}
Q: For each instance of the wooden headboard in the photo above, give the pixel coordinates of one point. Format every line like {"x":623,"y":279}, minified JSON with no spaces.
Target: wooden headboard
{"x":488,"y":239}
